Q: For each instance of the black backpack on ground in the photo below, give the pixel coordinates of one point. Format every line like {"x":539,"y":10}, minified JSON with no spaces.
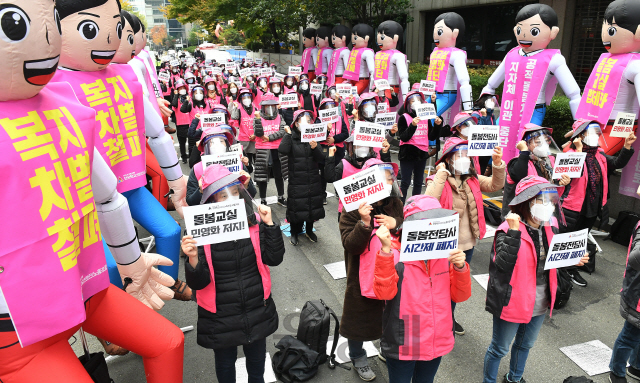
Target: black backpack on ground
{"x":624,"y":227}
{"x":563,"y":292}
{"x":578,"y":379}
{"x":314,"y":327}
{"x":294,"y":361}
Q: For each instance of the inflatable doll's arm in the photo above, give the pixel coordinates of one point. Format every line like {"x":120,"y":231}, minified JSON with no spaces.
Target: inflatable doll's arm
{"x":495,"y":80}
{"x":143,"y":281}
{"x":403,"y":75}
{"x":568,"y":84}
{"x":460,"y":66}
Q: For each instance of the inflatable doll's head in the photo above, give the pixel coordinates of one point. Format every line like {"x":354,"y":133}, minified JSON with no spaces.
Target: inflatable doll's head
{"x":536,"y":26}
{"x":389,"y":35}
{"x":340,"y":36}
{"x":30,"y":42}
{"x":448,"y":30}
{"x":92,"y":30}
{"x":363,"y":36}
{"x":323,"y":37}
{"x":621,"y":27}
{"x":309,"y":37}
{"x":127,"y":49}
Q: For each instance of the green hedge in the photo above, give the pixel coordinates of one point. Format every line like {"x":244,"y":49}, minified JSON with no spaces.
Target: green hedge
{"x":558,"y":114}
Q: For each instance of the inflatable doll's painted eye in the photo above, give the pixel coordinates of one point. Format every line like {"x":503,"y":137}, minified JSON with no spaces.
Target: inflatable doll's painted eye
{"x":440,"y":32}
{"x":535,"y":32}
{"x":130,"y":39}
{"x":612,"y":31}
{"x":518,"y":30}
{"x":14,"y":24}
{"x":58,"y":22}
{"x":119,"y":29}
{"x":88,"y":30}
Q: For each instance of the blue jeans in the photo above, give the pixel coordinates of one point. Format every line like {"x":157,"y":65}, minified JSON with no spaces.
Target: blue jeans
{"x":225,"y":359}
{"x":355,"y":349}
{"x":538,"y":115}
{"x":625,"y":349}
{"x":444,"y":101}
{"x":468,"y":255}
{"x":421,"y":371}
{"x":417,"y":169}
{"x":503,"y":333}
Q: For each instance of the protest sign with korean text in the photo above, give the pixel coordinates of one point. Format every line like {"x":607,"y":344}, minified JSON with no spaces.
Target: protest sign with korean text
{"x":567,"y":249}
{"x":386,"y":119}
{"x":369,"y":134}
{"x":164,"y":76}
{"x":313,"y":132}
{"x":191,"y":61}
{"x":236,"y":148}
{"x":429,"y":238}
{"x":259,"y":61}
{"x":623,"y":125}
{"x":255,"y":71}
{"x":315,"y":89}
{"x":367,"y":185}
{"x":426,"y":111}
{"x":344,"y":89}
{"x":288,"y":100}
{"x":230,"y":160}
{"x":354,"y":90}
{"x":267,"y":72}
{"x":211,"y":120}
{"x":295,"y":71}
{"x":216,"y":70}
{"x":427,"y":87}
{"x":230,"y":67}
{"x":244,"y":72}
{"x":330,"y":115}
{"x":279,"y":76}
{"x":217,"y":222}
{"x":174,"y":63}
{"x":483,"y":139}
{"x":570,"y":164}
{"x":383,"y":107}
{"x":382,"y":84}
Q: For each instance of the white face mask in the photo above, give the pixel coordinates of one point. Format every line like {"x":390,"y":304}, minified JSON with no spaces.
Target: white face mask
{"x":198,"y":96}
{"x":542,"y":213}
{"x":175,"y":70}
{"x":591,"y":140}
{"x":465,"y":131}
{"x":234,"y":90}
{"x":211,"y":87}
{"x":489,"y":104}
{"x":304,"y":86}
{"x":289,"y":83}
{"x":276,"y":89}
{"x":461,"y":165}
{"x":217,"y":147}
{"x":182,"y":91}
{"x":361,"y":151}
{"x":542,"y":150}
{"x":232,"y":197}
{"x":246,"y":102}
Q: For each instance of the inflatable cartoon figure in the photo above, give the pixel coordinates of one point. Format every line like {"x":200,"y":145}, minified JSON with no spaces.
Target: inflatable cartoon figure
{"x":325,"y":50}
{"x":340,"y":56}
{"x":360,"y":66}
{"x":309,"y":54}
{"x":391,"y":64}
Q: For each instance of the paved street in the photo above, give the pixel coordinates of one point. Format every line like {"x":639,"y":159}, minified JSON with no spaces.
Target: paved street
{"x":591,"y":314}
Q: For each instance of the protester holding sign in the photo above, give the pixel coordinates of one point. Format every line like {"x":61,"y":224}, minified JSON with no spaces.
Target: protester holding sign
{"x":535,"y":159}
{"x":233,"y":279}
{"x":414,"y":144}
{"x":438,"y":281}
{"x":305,"y":193}
{"x":362,"y":313}
{"x":290,"y":84}
{"x":181,"y":97}
{"x":457,"y":185}
{"x":195,"y":108}
{"x":196,"y":129}
{"x":586,"y":198}
{"x":213,"y":94}
{"x":243,"y":112}
{"x":268,"y":127}
{"x":307,"y":100}
{"x":516,"y":271}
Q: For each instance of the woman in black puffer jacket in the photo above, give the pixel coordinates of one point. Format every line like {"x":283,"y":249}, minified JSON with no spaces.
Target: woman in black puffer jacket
{"x":304,"y":195}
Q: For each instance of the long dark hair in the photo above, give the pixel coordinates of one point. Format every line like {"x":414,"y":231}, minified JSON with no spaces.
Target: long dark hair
{"x":324,"y":33}
{"x":626,"y":13}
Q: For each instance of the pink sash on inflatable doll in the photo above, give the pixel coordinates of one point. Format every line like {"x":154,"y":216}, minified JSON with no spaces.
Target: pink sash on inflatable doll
{"x":439,"y":66}
{"x":51,"y":255}
{"x":116,"y":96}
{"x":333,"y":65}
{"x":383,"y":64}
{"x":306,"y":56}
{"x":352,"y":71}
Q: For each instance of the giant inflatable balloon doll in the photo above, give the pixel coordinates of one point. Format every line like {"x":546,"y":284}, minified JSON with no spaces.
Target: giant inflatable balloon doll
{"x":53,"y":275}
{"x":390,"y":63}
{"x":448,"y":65}
{"x":126,"y":112}
{"x":340,"y":36}
{"x":530,"y":73}
{"x":325,"y":50}
{"x":361,"y":59}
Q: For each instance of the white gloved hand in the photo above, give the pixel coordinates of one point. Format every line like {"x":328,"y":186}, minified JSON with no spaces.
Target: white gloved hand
{"x":179,"y":195}
{"x":148,"y":284}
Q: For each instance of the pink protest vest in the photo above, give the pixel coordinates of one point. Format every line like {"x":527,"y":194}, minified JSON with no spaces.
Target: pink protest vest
{"x":347,"y":171}
{"x":173,"y":79}
{"x":337,"y":126}
{"x":306,"y":56}
{"x":368,"y":263}
{"x":212,"y":101}
{"x":269,"y":127}
{"x":382,"y":62}
{"x":246,"y":124}
{"x":233,"y":123}
{"x":578,"y":190}
{"x":51,"y":255}
{"x":602,"y":88}
{"x":352,"y":71}
{"x":198,"y":110}
{"x":446,"y":200}
{"x":522,"y":73}
{"x":116,"y":96}
{"x":439,"y":66}
{"x":207,"y":296}
{"x":333,"y":64}
{"x":319,"y":63}
{"x":182,"y":118}
{"x":420,"y":138}
{"x":152,"y":82}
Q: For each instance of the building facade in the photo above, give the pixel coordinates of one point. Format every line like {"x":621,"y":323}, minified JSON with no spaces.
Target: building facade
{"x":489,"y":30}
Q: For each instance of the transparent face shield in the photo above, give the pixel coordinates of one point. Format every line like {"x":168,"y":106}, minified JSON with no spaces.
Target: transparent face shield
{"x":198,"y":95}
{"x":269,"y":111}
{"x":245,"y":99}
{"x":262,"y":83}
{"x":331,"y":92}
{"x":328,"y":105}
{"x":191,"y":80}
{"x":368,"y":110}
{"x":275,"y":88}
{"x":541,"y":144}
{"x":592,"y":136}
{"x":388,"y":174}
{"x":223,"y":111}
{"x":303,"y":119}
{"x":234,"y":191}
{"x":459,"y":161}
{"x":289,"y":81}
{"x":546,"y":208}
{"x":464,"y":127}
{"x":304,"y":84}
{"x":413,"y":102}
{"x":215,"y":144}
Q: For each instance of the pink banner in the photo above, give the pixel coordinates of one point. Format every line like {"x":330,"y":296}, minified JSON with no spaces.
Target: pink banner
{"x":352,"y":71}
{"x":333,"y":64}
{"x":319,"y":63}
{"x":51,"y":253}
{"x":439,"y":66}
{"x":116,"y":96}
{"x":306,"y":56}
{"x":523,"y":79}
{"x":601,"y":91}
{"x":383,"y":64}
{"x":630,"y":179}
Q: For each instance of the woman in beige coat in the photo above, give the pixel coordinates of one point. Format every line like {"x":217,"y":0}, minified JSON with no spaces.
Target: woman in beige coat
{"x":458,"y":187}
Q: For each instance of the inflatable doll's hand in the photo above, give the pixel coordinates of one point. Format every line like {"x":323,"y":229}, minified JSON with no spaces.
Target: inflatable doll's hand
{"x":179,"y":188}
{"x":146,"y":283}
